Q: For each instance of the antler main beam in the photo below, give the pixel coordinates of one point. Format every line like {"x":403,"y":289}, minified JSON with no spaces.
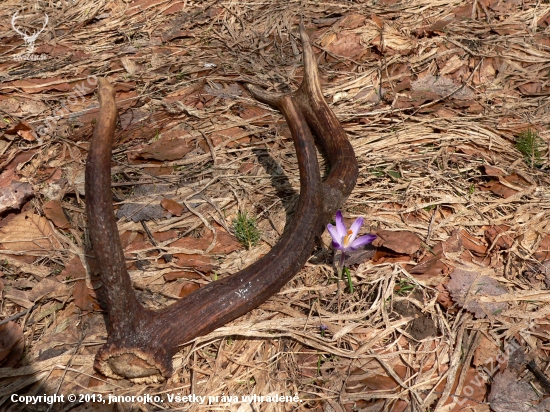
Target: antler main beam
{"x":142,"y":342}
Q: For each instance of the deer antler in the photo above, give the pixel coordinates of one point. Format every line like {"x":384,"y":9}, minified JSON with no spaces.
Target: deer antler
{"x":29,"y":39}
{"x":142,"y":342}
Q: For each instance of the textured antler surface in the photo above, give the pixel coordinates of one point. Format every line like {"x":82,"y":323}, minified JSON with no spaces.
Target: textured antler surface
{"x":142,"y":342}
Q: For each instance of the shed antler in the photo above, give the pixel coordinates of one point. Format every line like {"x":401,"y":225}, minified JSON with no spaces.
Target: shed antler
{"x":142,"y":342}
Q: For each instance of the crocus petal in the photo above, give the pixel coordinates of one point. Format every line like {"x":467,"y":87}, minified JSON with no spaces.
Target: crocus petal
{"x":362,"y":241}
{"x":336,"y":238}
{"x":355,"y":226}
{"x":340,"y":226}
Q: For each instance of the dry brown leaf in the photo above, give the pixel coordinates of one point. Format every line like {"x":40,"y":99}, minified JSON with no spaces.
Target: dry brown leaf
{"x":498,"y":189}
{"x":225,"y":243}
{"x":345,"y":44}
{"x":74,"y":269}
{"x":13,"y":196}
{"x":400,"y":241}
{"x":172,"y":206}
{"x":508,"y":394}
{"x":28,"y":232}
{"x":167,"y":148}
{"x":24,"y":130}
{"x":473,"y":244}
{"x":202,"y":263}
{"x":180,"y":274}
{"x":394,"y":42}
{"x":493,"y":171}
{"x":128,"y":64}
{"x":19,"y":297}
{"x":497,"y":235}
{"x":187,"y":288}
{"x":444,"y":297}
{"x":246,"y":167}
{"x":471,"y":396}
{"x":83,"y":298}
{"x":431,"y":265}
{"x":12,"y":344}
{"x":506,"y":186}
{"x":39,"y":85}
{"x":485,"y":352}
{"x":51,"y":288}
{"x":466,"y":287}
{"x":38,"y":272}
{"x":543,"y":251}
{"x":54,"y":211}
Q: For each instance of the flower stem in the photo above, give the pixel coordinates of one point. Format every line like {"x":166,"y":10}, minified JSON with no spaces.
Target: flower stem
{"x":341,"y":264}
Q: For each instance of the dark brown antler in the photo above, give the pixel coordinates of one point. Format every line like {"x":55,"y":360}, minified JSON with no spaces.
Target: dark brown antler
{"x":142,"y":342}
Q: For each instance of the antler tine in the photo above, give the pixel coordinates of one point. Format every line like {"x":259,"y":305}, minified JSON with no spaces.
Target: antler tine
{"x":326,"y":127}
{"x":46,"y":20}
{"x":141,"y":342}
{"x":13,"y":20}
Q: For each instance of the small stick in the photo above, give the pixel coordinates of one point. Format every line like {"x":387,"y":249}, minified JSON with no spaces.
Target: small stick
{"x":167,"y":257}
{"x":540,"y":375}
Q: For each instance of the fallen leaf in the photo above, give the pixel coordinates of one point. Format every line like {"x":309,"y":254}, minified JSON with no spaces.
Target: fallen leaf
{"x":444,"y":297}
{"x":12,"y":344}
{"x":54,"y":211}
{"x":414,"y":99}
{"x":13,"y":196}
{"x":452,"y":65}
{"x":167,"y":148}
{"x":435,"y":28}
{"x":506,"y":186}
{"x":187,"y":288}
{"x":466,"y":286}
{"x":128,"y":65}
{"x":38,"y":272}
{"x":181,"y":274}
{"x":39,"y":85}
{"x":473,"y":244}
{"x":493,"y":171}
{"x":431,"y":264}
{"x":496,"y":235}
{"x":394,"y":42}
{"x":28,"y":232}
{"x":543,"y":251}
{"x":172,"y":206}
{"x":472,"y":395}
{"x":225,"y":243}
{"x":24,"y":130}
{"x":19,"y":297}
{"x":82,"y":295}
{"x":345,"y":44}
{"x":145,"y":203}
{"x":485,"y":352}
{"x":442,"y":86}
{"x":51,"y":288}
{"x":400,"y":241}
{"x":510,"y":394}
{"x":201,"y":263}
{"x":74,"y":269}
{"x":246,"y":167}
{"x":498,"y":189}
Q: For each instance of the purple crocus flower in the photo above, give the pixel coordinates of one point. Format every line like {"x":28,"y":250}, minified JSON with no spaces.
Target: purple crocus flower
{"x":347,"y":240}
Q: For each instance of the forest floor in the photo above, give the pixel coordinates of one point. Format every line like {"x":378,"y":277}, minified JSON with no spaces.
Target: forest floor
{"x":446,"y":105}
